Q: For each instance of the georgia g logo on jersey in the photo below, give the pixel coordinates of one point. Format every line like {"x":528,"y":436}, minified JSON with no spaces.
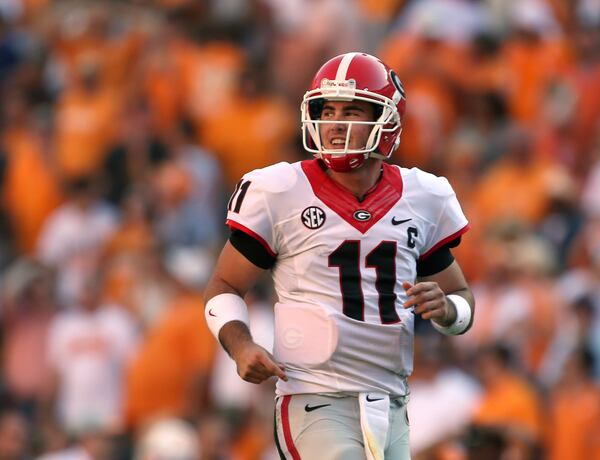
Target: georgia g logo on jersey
{"x":313,"y":217}
{"x":362,"y":215}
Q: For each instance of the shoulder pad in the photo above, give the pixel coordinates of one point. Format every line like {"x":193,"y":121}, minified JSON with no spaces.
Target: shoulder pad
{"x":433,"y":184}
{"x":276,"y":178}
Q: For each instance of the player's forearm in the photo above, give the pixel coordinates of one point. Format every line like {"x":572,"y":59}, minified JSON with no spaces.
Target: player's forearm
{"x":234,"y":336}
{"x":226,"y":314}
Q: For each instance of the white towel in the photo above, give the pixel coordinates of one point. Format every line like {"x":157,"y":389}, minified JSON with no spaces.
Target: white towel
{"x":374,"y":422}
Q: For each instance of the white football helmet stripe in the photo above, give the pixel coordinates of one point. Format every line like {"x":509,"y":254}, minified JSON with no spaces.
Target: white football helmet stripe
{"x":344,"y":65}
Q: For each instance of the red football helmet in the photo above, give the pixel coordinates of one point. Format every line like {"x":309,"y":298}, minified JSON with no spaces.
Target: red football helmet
{"x":355,"y":76}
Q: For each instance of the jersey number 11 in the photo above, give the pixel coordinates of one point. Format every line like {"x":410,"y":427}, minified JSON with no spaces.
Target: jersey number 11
{"x":383,"y":259}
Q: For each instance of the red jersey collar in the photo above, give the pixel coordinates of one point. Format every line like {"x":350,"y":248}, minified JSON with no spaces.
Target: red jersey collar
{"x":378,"y":200}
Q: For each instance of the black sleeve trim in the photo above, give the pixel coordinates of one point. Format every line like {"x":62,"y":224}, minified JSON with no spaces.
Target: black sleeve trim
{"x":252,"y":249}
{"x":455,"y":242}
{"x":437,"y":261}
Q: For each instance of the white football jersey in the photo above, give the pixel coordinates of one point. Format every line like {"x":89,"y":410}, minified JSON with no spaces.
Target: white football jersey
{"x":340,"y":263}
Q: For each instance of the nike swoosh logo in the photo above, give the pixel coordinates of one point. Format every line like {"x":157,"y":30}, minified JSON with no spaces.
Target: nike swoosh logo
{"x":398,"y":222}
{"x":308,"y":408}
{"x":369,"y":396}
{"x":211,"y":313}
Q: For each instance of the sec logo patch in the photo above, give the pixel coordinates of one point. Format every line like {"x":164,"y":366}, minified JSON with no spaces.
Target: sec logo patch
{"x":313,"y":217}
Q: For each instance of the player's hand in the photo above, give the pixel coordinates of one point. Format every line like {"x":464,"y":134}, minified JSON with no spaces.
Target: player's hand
{"x":429,"y":301}
{"x":255,"y":364}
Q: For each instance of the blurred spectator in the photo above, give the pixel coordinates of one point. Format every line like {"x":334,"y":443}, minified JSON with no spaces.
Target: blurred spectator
{"x":517,"y":303}
{"x":91,"y":445}
{"x":169,"y":374}
{"x":455,"y":21}
{"x":210,"y":75}
{"x":8,"y":251}
{"x":90,"y":47}
{"x":159,"y":69}
{"x":168,"y":439}
{"x":9,"y":50}
{"x":442,"y":397}
{"x":563,"y":220}
{"x":571,"y":108}
{"x":73,"y":236}
{"x":574,"y":415}
{"x":188,"y":186}
{"x":306,"y":31}
{"x":89,"y":348}
{"x":215,"y":436}
{"x":134,"y":234}
{"x":254,"y":130}
{"x":15,"y":435}
{"x":29,"y":166}
{"x":378,"y":17}
{"x":535,"y":54}
{"x":253,"y":437}
{"x":84,"y":122}
{"x":430,"y":69}
{"x":509,"y":405}
{"x":134,"y":155}
{"x":518,"y":186}
{"x":577,"y":331}
{"x":485,"y":121}
{"x":581,"y":285}
{"x":142,"y":282}
{"x":28,"y":309}
{"x":591,"y":190}
{"x":484,"y":443}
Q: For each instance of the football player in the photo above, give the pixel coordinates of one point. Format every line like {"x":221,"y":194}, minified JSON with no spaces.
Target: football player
{"x":356,"y":247}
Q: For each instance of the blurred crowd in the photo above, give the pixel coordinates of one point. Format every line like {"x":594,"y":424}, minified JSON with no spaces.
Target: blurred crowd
{"x":124,"y":126}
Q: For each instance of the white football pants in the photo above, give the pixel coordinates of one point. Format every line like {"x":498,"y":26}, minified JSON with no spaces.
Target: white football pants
{"x":327,"y":427}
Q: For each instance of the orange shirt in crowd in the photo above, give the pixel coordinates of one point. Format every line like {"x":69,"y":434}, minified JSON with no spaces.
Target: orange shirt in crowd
{"x":428,"y":120}
{"x":249,"y":134}
{"x":176,"y":352}
{"x":540,"y":328}
{"x":33,"y":8}
{"x":513,"y":191}
{"x":461,"y":170}
{"x":574,"y":432}
{"x":31,"y":191}
{"x":210,"y":76}
{"x":380,"y":10}
{"x":163,"y":96}
{"x":510,"y":402}
{"x":85,"y":126}
{"x":131,"y":237}
{"x":253,"y":441}
{"x":114,"y":57}
{"x":411,"y":55}
{"x":485,"y":71}
{"x":427,"y":70}
{"x":532,"y":67}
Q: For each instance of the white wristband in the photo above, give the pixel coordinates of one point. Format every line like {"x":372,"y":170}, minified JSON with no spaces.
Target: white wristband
{"x":463,"y":316}
{"x":222,"y":309}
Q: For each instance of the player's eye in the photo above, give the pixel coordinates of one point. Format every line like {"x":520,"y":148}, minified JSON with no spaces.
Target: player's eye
{"x":354,"y":113}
